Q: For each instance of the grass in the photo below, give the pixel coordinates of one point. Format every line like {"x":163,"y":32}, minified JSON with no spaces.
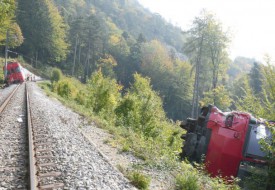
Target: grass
{"x":139,"y":180}
{"x":188,"y":181}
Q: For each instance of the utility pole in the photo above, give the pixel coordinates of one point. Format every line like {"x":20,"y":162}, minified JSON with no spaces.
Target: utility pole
{"x":6,"y":54}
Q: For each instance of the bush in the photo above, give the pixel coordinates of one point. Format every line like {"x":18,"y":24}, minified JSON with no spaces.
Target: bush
{"x":65,"y":88}
{"x":56,"y":75}
{"x":151,"y":136}
{"x":187,"y":181}
{"x":141,"y":108}
{"x":80,"y":98}
{"x":104,"y":95}
{"x":139,"y":180}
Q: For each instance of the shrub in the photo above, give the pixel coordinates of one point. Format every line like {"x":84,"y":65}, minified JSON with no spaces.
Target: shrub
{"x":139,"y":180}
{"x":65,"y":88}
{"x":104,"y":94}
{"x":56,"y":75}
{"x":268,"y":146}
{"x":151,"y":136}
{"x":187,"y":181}
{"x":141,"y":108}
{"x":80,"y":98}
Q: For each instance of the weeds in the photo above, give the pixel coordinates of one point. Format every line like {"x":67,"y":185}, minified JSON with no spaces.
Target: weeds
{"x":139,"y":180}
{"x":188,"y":181}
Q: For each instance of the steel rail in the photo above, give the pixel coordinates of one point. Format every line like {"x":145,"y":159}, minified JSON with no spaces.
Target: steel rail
{"x":32,"y":166}
{"x":34,"y":142}
{"x":5,"y":103}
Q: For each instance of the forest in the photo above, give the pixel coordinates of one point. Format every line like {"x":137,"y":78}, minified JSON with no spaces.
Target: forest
{"x":188,"y":68}
{"x":133,"y":68}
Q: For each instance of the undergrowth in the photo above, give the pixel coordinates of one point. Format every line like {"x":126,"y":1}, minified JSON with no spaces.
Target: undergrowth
{"x":138,"y":124}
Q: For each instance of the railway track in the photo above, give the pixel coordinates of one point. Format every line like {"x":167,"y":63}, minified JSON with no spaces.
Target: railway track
{"x":58,"y":156}
{"x":27,"y":160}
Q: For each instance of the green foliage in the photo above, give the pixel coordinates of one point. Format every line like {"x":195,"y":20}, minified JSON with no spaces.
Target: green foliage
{"x":141,"y":108}
{"x":257,"y":181}
{"x":196,"y":177}
{"x":139,"y":180}
{"x":256,"y":78}
{"x":170,"y":77}
{"x":7,"y":23}
{"x":269,"y":148}
{"x":218,"y":97}
{"x":238,"y":87}
{"x":88,"y":37}
{"x":263,"y":106}
{"x":106,"y":64}
{"x":7,"y":10}
{"x":65,"y":88}
{"x":149,"y":134}
{"x":81,"y":98}
{"x":239,"y":66}
{"x":56,"y":75}
{"x":104,"y":94}
{"x":206,"y":47}
{"x":44,"y":30}
{"x":188,"y":181}
{"x":159,"y":149}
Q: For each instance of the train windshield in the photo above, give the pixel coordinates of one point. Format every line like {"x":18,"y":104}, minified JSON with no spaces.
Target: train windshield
{"x":17,"y":69}
{"x":253,"y":147}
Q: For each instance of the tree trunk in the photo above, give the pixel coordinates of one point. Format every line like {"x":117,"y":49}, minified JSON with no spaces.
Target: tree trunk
{"x":195,"y":101}
{"x":75,"y":49}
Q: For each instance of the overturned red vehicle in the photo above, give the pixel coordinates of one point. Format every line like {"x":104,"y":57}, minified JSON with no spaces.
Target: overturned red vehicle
{"x":229,"y":141}
{"x":14,"y":73}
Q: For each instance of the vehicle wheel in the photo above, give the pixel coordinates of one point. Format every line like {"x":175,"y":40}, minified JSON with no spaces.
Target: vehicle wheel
{"x":190,"y":145}
{"x":201,"y":149}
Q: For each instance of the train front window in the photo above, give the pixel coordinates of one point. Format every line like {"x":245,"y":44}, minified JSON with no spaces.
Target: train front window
{"x":253,"y":147}
{"x":17,"y":70}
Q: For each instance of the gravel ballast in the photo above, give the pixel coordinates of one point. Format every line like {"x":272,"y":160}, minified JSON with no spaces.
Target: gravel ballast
{"x":13,"y":142}
{"x":81,"y":164}
{"x":4,"y":93}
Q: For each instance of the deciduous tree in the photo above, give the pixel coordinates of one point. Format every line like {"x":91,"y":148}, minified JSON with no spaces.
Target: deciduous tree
{"x":44,"y":30}
{"x":206,"y":48}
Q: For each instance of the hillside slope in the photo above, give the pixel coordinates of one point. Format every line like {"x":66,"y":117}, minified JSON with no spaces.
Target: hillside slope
{"x":127,"y":15}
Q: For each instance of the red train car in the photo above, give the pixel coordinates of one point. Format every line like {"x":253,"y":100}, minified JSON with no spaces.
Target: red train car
{"x":14,"y":73}
{"x":229,"y":141}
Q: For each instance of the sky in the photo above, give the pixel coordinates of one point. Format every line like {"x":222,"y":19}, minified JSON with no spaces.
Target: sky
{"x":251,"y":22}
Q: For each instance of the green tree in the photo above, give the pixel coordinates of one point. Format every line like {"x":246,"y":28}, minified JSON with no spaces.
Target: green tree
{"x":263,"y":107}
{"x":256,"y":78}
{"x":7,"y":23}
{"x":129,"y":60}
{"x":218,"y":96}
{"x":56,"y":75}
{"x":171,"y":78}
{"x":141,"y":108}
{"x":93,"y":44}
{"x":44,"y":30}
{"x":269,"y":113}
{"x":106,"y":65}
{"x":7,"y":9}
{"x":249,"y":102}
{"x":104,"y":95}
{"x":206,"y":47}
